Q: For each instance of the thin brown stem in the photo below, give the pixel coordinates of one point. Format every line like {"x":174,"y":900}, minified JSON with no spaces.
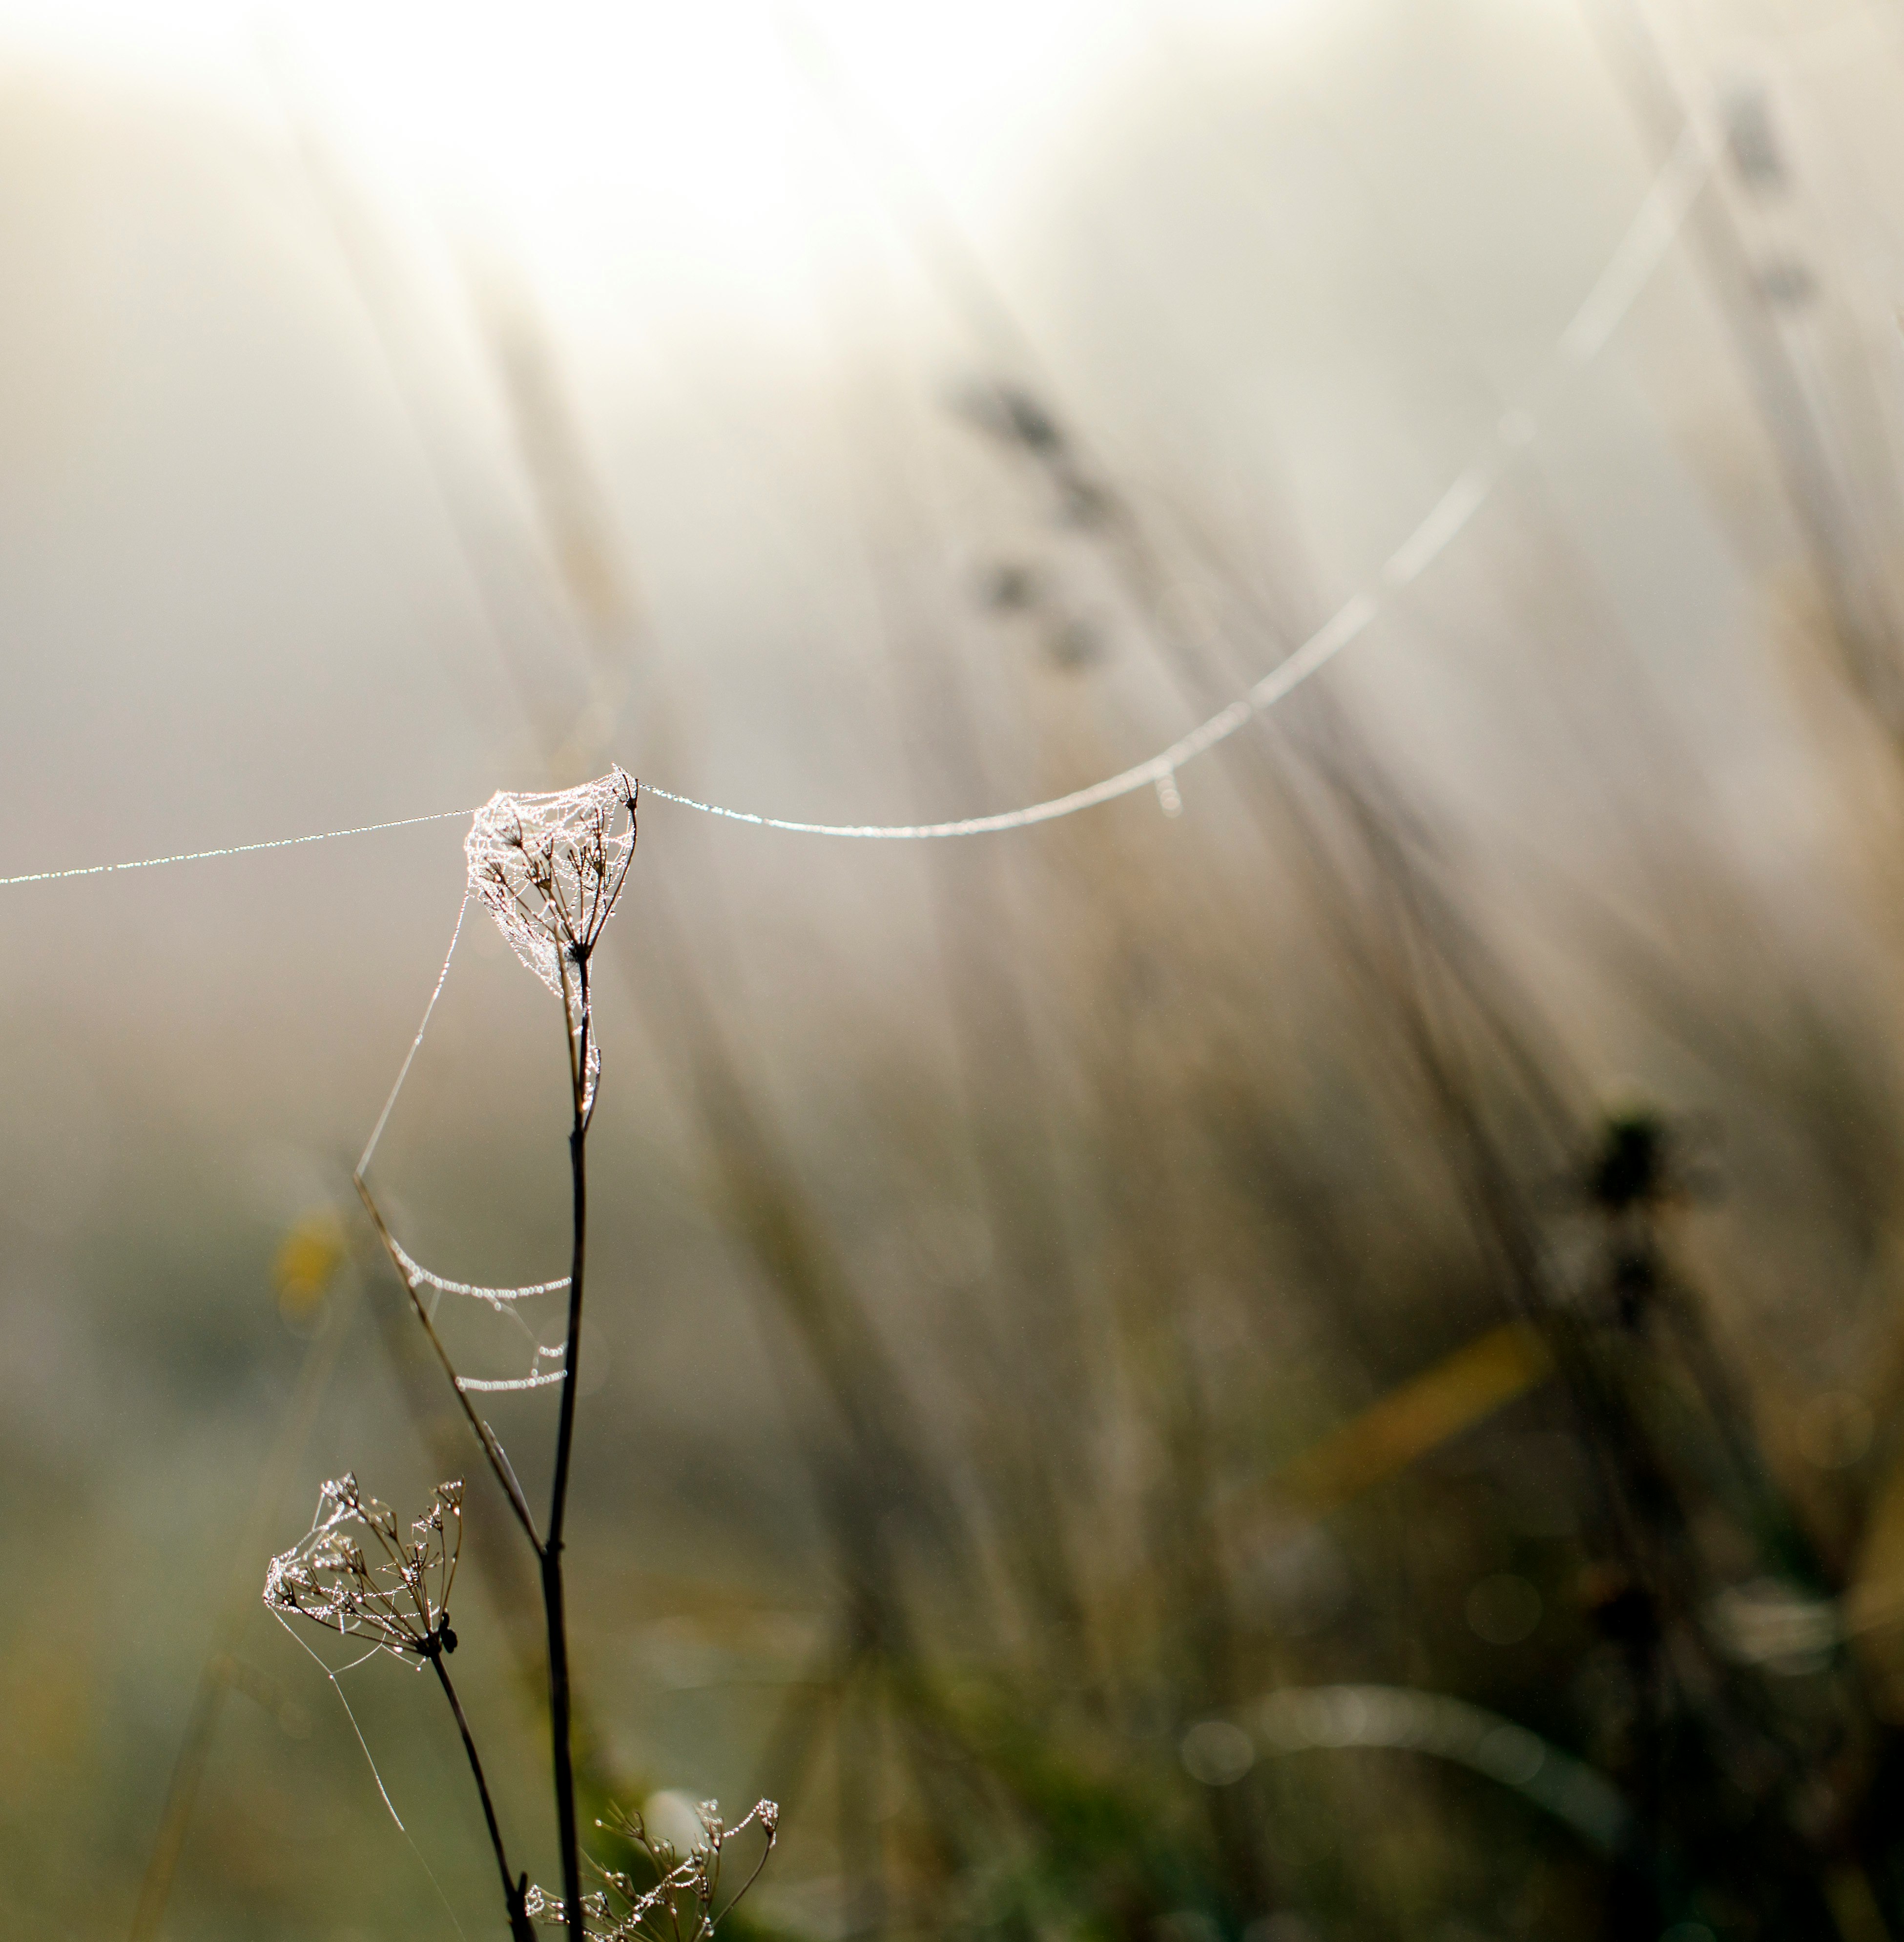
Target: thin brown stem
{"x":514,"y":1890}
{"x":552,"y":1547}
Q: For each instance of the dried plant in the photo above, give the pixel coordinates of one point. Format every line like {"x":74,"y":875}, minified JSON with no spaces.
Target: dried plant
{"x":396,"y":1594}
{"x":550,"y":869}
{"x":679,"y":1906}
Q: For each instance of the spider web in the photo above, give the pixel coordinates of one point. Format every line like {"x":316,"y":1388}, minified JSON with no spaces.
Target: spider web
{"x":1640,"y":252}
{"x":548,"y":867}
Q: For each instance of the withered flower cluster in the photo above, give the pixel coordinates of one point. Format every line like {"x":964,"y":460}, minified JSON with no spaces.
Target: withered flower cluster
{"x":548,"y":869}
{"x":353,"y":1573}
{"x":678,"y":1905}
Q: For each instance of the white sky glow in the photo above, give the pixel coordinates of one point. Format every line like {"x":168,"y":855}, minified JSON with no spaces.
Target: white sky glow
{"x":661,"y":134}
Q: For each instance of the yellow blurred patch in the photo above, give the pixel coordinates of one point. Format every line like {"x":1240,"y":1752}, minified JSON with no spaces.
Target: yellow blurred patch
{"x":307,"y":1262}
{"x":1429,"y":1409}
{"x":1457,"y":1392}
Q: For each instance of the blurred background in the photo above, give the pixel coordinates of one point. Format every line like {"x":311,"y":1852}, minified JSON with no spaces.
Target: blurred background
{"x":1328,"y":1364}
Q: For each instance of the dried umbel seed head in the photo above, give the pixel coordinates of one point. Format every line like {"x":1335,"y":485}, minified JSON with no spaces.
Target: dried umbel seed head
{"x":548,"y":868}
{"x":678,"y":1906}
{"x":353,"y":1573}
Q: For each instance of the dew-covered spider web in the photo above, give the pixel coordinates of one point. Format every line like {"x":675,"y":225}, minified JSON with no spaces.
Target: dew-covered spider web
{"x":1626,"y":273}
{"x":548,"y":868}
{"x":355,"y":1574}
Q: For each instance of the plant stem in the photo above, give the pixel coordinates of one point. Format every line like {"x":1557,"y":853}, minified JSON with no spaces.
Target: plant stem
{"x":558,"y":1728}
{"x":552,"y":1544}
{"x":520,"y":1926}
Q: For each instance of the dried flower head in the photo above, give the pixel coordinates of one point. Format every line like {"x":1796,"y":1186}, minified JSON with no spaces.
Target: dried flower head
{"x":677,"y":1903}
{"x":548,"y":869}
{"x":353,"y":1573}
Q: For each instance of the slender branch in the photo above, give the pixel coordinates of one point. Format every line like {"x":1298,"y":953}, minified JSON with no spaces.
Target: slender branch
{"x":577,"y":1068}
{"x":754,"y":1873}
{"x":514,"y":1890}
{"x":552,"y":1549}
{"x":578,"y":1174}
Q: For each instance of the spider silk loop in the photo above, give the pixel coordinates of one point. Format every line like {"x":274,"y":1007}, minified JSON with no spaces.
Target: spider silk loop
{"x":1638,"y":253}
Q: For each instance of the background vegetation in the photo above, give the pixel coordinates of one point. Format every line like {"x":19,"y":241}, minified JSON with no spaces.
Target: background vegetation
{"x":1327,"y":1366}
